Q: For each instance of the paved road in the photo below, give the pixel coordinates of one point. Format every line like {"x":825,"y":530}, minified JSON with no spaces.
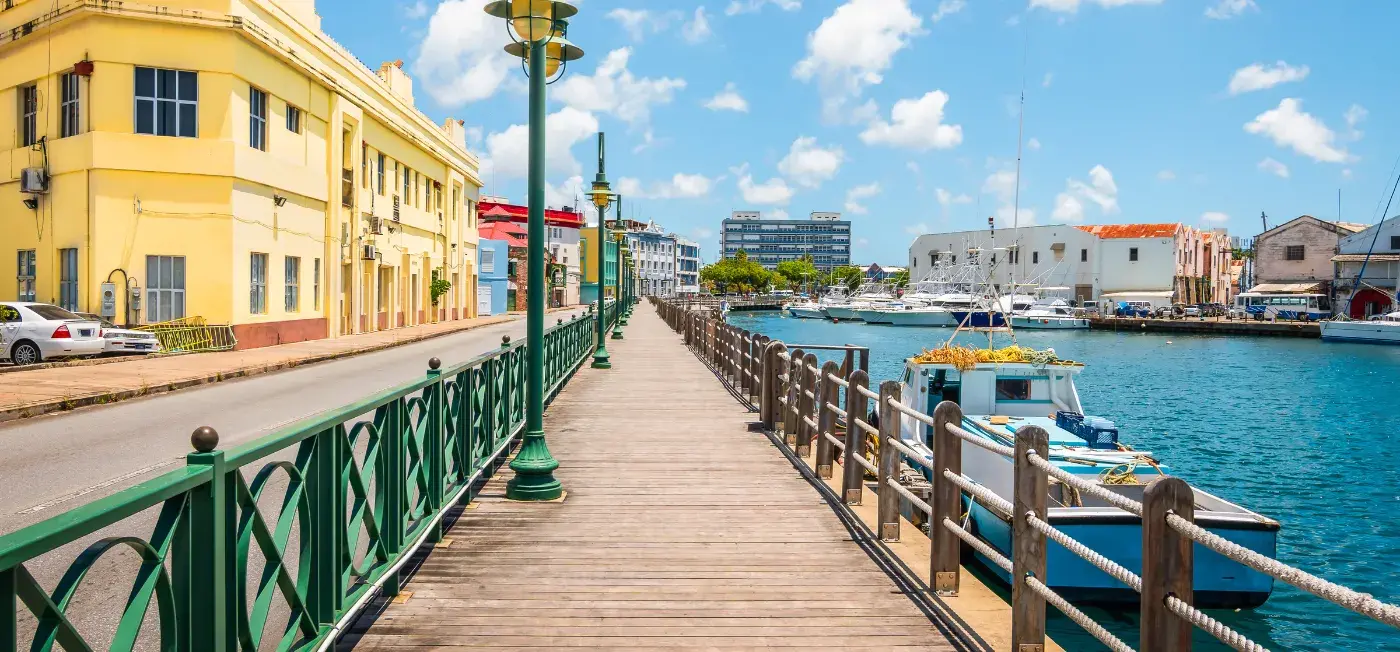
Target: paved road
{"x":54,"y":463}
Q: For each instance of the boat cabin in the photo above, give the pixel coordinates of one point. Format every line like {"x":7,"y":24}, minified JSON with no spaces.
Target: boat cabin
{"x":1014,"y":389}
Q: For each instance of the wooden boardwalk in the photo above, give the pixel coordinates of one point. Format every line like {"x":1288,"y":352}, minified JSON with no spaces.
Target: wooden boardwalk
{"x":682,"y":527}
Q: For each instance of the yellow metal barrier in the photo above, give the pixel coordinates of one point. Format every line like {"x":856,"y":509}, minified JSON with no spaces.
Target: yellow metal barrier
{"x":192,"y":335}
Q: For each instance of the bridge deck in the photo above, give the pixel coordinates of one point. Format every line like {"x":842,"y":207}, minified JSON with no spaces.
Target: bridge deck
{"x":681,"y":528}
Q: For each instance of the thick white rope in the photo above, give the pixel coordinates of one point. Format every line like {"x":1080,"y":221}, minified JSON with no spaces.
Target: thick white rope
{"x":838,"y":380}
{"x":839,"y":412}
{"x":1105,"y":564}
{"x":782,"y":399}
{"x":1117,"y":500}
{"x":979,"y":491}
{"x":1361,"y":603}
{"x":860,"y":459}
{"x":913,"y":456}
{"x":785,"y":355}
{"x":865,"y":391}
{"x":809,"y":394}
{"x":866,"y":427}
{"x":1094,"y":629}
{"x":978,"y":545}
{"x":909,"y":496}
{"x":981,"y":442}
{"x":1213,"y":627}
{"x":834,"y":441}
{"x":783,"y":377}
{"x":812,"y":423}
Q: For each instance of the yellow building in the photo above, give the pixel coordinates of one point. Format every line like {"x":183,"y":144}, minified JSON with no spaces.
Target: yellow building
{"x":224,"y":159}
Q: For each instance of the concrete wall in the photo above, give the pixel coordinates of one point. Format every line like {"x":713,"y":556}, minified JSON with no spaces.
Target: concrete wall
{"x":1319,"y":243}
{"x":1153,"y":271}
{"x":1048,"y":252}
{"x":495,"y":278}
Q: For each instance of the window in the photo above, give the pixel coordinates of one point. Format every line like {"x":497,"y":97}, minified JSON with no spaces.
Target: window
{"x":293,"y":119}
{"x":364,"y":165}
{"x":1035,"y":257}
{"x":70,"y":117}
{"x":1293,"y":252}
{"x":257,"y":285}
{"x":29,"y":115}
{"x":1395,"y":242}
{"x":1132,"y":253}
{"x":167,"y":102}
{"x":257,"y":119}
{"x":380,"y":172}
{"x":68,"y":279}
{"x":25,"y":274}
{"x":488,"y":261}
{"x":165,"y":288}
{"x":407,"y":177}
{"x":1083,"y":255}
{"x":316,"y":284}
{"x":291,"y":268}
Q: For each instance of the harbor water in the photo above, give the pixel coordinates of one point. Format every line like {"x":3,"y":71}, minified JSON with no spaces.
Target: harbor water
{"x":1299,"y":430}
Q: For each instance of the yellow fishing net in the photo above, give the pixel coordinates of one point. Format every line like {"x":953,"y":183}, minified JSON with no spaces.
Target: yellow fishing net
{"x":963,"y":358}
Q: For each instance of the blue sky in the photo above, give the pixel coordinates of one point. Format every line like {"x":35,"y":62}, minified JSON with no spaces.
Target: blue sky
{"x":903,"y":113}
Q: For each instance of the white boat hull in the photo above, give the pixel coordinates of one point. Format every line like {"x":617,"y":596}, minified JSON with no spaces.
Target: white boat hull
{"x":1375,"y":332}
{"x":873,"y":315}
{"x":921,"y":318}
{"x":805,"y":313}
{"x":1049,"y":322}
{"x":841,"y":312}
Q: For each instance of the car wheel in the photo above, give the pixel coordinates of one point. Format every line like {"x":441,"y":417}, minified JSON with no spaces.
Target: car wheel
{"x":26,"y":353}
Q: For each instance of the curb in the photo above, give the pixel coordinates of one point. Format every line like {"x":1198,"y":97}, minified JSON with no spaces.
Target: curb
{"x":107,"y":398}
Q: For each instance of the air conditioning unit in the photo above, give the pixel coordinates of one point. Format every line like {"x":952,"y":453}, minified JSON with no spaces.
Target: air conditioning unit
{"x":370,"y":252}
{"x":396,"y":208}
{"x":376,"y":225}
{"x":33,"y":181}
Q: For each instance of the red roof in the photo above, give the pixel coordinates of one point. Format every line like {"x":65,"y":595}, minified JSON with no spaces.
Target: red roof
{"x":521,"y":214}
{"x":508,"y":231}
{"x":1112,"y":231}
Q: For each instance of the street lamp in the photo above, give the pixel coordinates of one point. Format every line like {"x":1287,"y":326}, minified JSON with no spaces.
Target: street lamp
{"x":536,"y":29}
{"x":602,"y":197}
{"x":624,"y":270}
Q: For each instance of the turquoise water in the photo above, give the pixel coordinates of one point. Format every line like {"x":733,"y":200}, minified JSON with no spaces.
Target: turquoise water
{"x":1299,"y":430}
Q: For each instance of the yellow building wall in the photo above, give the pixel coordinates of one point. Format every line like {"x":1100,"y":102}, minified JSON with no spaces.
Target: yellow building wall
{"x":117,"y":196}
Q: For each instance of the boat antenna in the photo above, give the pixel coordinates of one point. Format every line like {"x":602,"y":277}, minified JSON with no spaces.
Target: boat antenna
{"x":1020,"y":136}
{"x":1356,"y":285}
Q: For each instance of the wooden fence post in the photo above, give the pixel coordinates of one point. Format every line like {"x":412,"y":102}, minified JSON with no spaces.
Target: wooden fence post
{"x":768,"y":405}
{"x":805,"y":431}
{"x":947,"y":500}
{"x":1028,"y":543}
{"x":852,"y":473}
{"x":793,"y":388}
{"x":1167,"y":565}
{"x":829,"y":394}
{"x":887,"y":509}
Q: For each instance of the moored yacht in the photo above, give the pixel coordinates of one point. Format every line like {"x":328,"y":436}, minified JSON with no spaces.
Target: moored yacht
{"x":1049,"y":313}
{"x":1381,"y":329}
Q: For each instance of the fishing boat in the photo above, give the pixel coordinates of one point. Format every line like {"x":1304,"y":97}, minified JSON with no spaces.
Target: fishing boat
{"x":1382,"y":329}
{"x":880,"y":314}
{"x":1049,"y":313}
{"x":992,"y":312}
{"x":804,"y":310}
{"x":997,"y":398}
{"x":868,"y":295}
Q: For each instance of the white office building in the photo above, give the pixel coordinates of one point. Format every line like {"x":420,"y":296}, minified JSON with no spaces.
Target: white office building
{"x":687,"y":266}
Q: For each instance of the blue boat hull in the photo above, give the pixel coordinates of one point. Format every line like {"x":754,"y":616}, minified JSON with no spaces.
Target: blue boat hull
{"x":1219,"y":582}
{"x":980,"y":319}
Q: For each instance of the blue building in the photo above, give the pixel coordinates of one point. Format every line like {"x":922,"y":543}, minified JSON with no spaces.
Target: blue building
{"x":824,"y":236}
{"x":493,"y":276}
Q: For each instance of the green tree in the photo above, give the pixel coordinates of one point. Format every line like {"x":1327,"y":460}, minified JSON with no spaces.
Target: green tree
{"x":737,"y":274}
{"x":850,"y":276}
{"x":796,"y":273}
{"x":900,"y":279}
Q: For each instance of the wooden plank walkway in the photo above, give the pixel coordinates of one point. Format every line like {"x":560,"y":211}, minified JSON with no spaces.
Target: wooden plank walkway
{"x":682,"y":527}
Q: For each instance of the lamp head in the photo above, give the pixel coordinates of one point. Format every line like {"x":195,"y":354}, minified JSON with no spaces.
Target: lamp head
{"x":601,"y":195}
{"x":532,"y":20}
{"x":558,"y":51}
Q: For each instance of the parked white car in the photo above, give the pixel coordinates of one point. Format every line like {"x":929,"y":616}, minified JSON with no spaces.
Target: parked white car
{"x":31,"y":333}
{"x":124,"y":340}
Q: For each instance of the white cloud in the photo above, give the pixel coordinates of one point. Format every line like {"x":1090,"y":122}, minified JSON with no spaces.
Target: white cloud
{"x":1226,"y":9}
{"x":508,"y":151}
{"x":1033,"y":144}
{"x":565,"y":194}
{"x":913,"y":166}
{"x":1289,"y":126}
{"x":774,"y":191}
{"x":639,"y":22}
{"x":1346,"y":173}
{"x":1354,"y":116}
{"x":1049,"y":77}
{"x":460,"y":59}
{"x":728,"y":99}
{"x":856,"y":194}
{"x":946,"y":198}
{"x":947,"y":8}
{"x":680,"y":186}
{"x":808,"y":164}
{"x":1002,"y":184}
{"x":475,"y":136}
{"x":1099,"y":190}
{"x":915,"y":124}
{"x":697,"y":29}
{"x":613,"y":89}
{"x":1071,"y":6}
{"x":1214,"y":216}
{"x":1166,"y":175}
{"x":702,"y":233}
{"x":852,"y":49}
{"x":416,"y":10}
{"x":1274,"y":167}
{"x":1258,"y":76}
{"x":749,"y":6}
{"x":916,"y":229}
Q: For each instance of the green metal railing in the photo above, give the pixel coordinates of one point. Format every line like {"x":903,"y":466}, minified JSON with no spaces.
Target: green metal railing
{"x":361,"y":487}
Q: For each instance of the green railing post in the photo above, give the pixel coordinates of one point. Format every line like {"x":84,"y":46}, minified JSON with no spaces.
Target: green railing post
{"x":9,"y":612}
{"x":389,"y":481}
{"x":205,"y":567}
{"x":325,"y":597}
{"x":433,"y":462}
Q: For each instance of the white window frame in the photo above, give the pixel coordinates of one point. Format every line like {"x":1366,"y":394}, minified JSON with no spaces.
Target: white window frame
{"x":70,"y":107}
{"x":68,"y":279}
{"x":293,"y":119}
{"x":257,"y":118}
{"x":24,"y":274}
{"x":488,"y":261}
{"x":291,"y":279}
{"x":316,"y":284}
{"x":29,"y":115}
{"x":161,"y":292}
{"x":176,"y":103}
{"x":257,"y":283}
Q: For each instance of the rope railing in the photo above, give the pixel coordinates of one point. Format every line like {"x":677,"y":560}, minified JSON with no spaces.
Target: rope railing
{"x":827,"y":405}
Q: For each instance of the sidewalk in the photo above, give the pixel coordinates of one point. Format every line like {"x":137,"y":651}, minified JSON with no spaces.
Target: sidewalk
{"x":28,"y":393}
